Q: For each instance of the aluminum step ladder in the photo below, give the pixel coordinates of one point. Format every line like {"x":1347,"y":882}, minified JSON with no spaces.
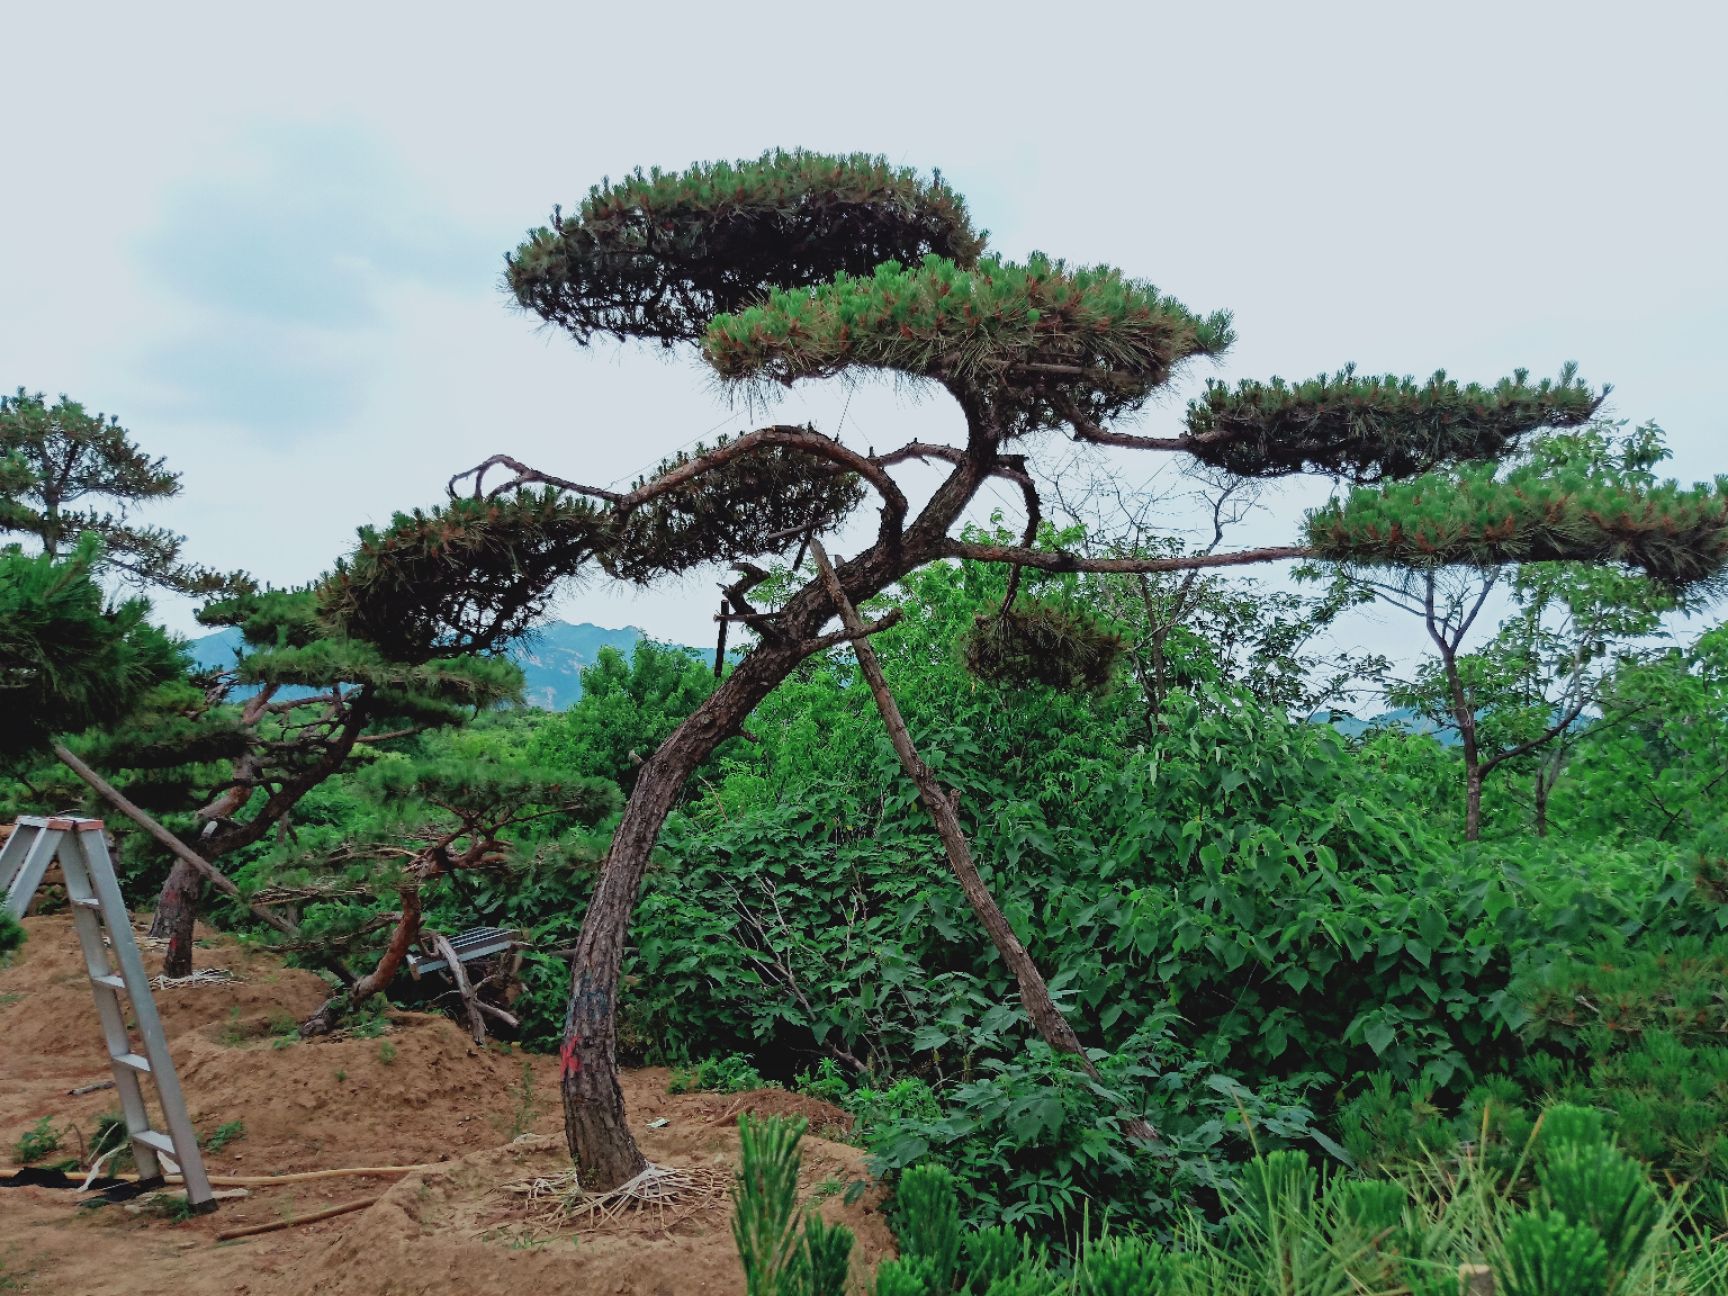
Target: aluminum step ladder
{"x":116,"y":972}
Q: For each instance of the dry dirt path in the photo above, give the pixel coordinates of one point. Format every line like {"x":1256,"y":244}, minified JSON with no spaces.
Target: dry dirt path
{"x":421,"y":1093}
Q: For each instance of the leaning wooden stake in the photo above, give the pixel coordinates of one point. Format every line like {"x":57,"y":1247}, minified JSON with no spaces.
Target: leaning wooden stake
{"x":1046,"y":1017}
{"x":179,"y":849}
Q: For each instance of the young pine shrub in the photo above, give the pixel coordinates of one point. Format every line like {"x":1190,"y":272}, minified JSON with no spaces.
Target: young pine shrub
{"x":1129,"y":1267}
{"x":1546,"y":1254}
{"x":1599,"y":1186}
{"x":907,"y":1276}
{"x":778,"y":1259}
{"x":997,"y":1253}
{"x":927,"y":1222}
{"x":820,"y":1265}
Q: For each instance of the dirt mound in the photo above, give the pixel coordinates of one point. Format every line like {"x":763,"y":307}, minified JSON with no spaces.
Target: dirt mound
{"x":434,"y":1226}
{"x":419,"y":1093}
{"x":821,"y":1118}
{"x":47,"y":1012}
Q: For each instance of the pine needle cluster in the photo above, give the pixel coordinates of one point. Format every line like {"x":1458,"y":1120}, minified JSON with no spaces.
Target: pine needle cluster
{"x":1374,"y":428}
{"x":462,"y":577}
{"x":1036,"y":340}
{"x":760,"y":503}
{"x":658,"y":255}
{"x":1038,"y":643}
{"x":1674,"y":534}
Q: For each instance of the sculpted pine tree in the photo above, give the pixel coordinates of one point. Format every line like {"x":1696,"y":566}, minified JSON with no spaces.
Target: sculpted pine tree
{"x":297,"y":705}
{"x":799,"y":267}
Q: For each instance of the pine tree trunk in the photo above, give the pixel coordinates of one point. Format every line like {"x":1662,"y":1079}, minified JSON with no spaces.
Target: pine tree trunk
{"x":177,"y":907}
{"x":600,"y":1142}
{"x":594,"y":1127}
{"x":175,"y":917}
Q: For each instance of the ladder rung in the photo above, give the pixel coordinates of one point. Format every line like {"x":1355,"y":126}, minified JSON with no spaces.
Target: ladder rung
{"x":112,"y":982}
{"x":137,"y":1061}
{"x":89,"y":902}
{"x":153,"y":1139}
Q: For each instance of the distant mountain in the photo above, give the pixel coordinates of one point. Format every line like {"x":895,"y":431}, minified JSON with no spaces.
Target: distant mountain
{"x":551,"y":658}
{"x":1403,"y":718}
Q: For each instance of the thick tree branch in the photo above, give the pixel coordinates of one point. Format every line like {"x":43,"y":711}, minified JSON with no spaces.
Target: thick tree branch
{"x":1055,"y":560}
{"x":803,"y":439}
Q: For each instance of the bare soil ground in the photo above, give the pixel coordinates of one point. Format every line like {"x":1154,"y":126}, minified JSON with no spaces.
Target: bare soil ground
{"x":420,"y":1093}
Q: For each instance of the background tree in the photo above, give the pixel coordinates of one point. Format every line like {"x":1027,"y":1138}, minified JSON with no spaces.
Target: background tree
{"x":64,"y":471}
{"x":1656,"y":764}
{"x":629,"y":707}
{"x":70,"y":658}
{"x":1521,"y":700}
{"x":800,"y":267}
{"x":1180,"y":629}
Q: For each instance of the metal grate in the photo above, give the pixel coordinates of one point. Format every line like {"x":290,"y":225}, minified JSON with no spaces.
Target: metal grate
{"x":475,"y":943}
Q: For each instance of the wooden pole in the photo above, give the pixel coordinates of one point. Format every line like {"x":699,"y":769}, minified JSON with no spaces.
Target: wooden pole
{"x":298,"y":1220}
{"x":1046,"y":1017}
{"x":180,"y":850}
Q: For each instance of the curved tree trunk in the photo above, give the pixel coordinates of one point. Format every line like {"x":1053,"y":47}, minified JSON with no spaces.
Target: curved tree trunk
{"x":177,"y":907}
{"x":594,"y":1127}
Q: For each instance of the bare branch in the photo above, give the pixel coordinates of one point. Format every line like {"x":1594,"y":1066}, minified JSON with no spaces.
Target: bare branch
{"x":824,"y":642}
{"x":525,"y":476}
{"x":803,"y":439}
{"x":1055,"y":560}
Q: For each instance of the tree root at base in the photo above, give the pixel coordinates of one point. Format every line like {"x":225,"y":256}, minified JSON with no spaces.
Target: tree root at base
{"x":673,"y":1193}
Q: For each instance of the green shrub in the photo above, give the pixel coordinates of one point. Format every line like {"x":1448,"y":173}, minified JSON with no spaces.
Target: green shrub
{"x":927,"y":1221}
{"x":731,"y":1074}
{"x":38,"y":1143}
{"x":1128,"y":1267}
{"x":905,"y":1277}
{"x":1547,"y":1254}
{"x":1599,"y":1185}
{"x":11,"y":934}
{"x":996,"y":1253}
{"x":778,"y":1258}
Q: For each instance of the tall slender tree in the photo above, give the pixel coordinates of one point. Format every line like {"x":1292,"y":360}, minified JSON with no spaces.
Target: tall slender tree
{"x":800,"y":267}
{"x":64,"y":471}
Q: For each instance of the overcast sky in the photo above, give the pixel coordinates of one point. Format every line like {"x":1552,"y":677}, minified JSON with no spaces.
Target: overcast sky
{"x":270,"y":238}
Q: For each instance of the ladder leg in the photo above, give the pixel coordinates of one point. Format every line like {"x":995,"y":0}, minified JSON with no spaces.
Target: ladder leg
{"x":89,"y":844}
{"x":38,"y":855}
{"x":12,"y":854}
{"x":114,"y":1032}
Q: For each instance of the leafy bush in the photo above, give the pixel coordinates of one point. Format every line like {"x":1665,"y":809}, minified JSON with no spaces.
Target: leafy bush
{"x":730,"y":1074}
{"x":38,"y":1143}
{"x":11,"y":934}
{"x":1036,"y":1143}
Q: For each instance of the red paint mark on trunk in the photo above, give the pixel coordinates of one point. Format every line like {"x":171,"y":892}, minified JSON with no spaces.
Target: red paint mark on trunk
{"x":569,"y":1064}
